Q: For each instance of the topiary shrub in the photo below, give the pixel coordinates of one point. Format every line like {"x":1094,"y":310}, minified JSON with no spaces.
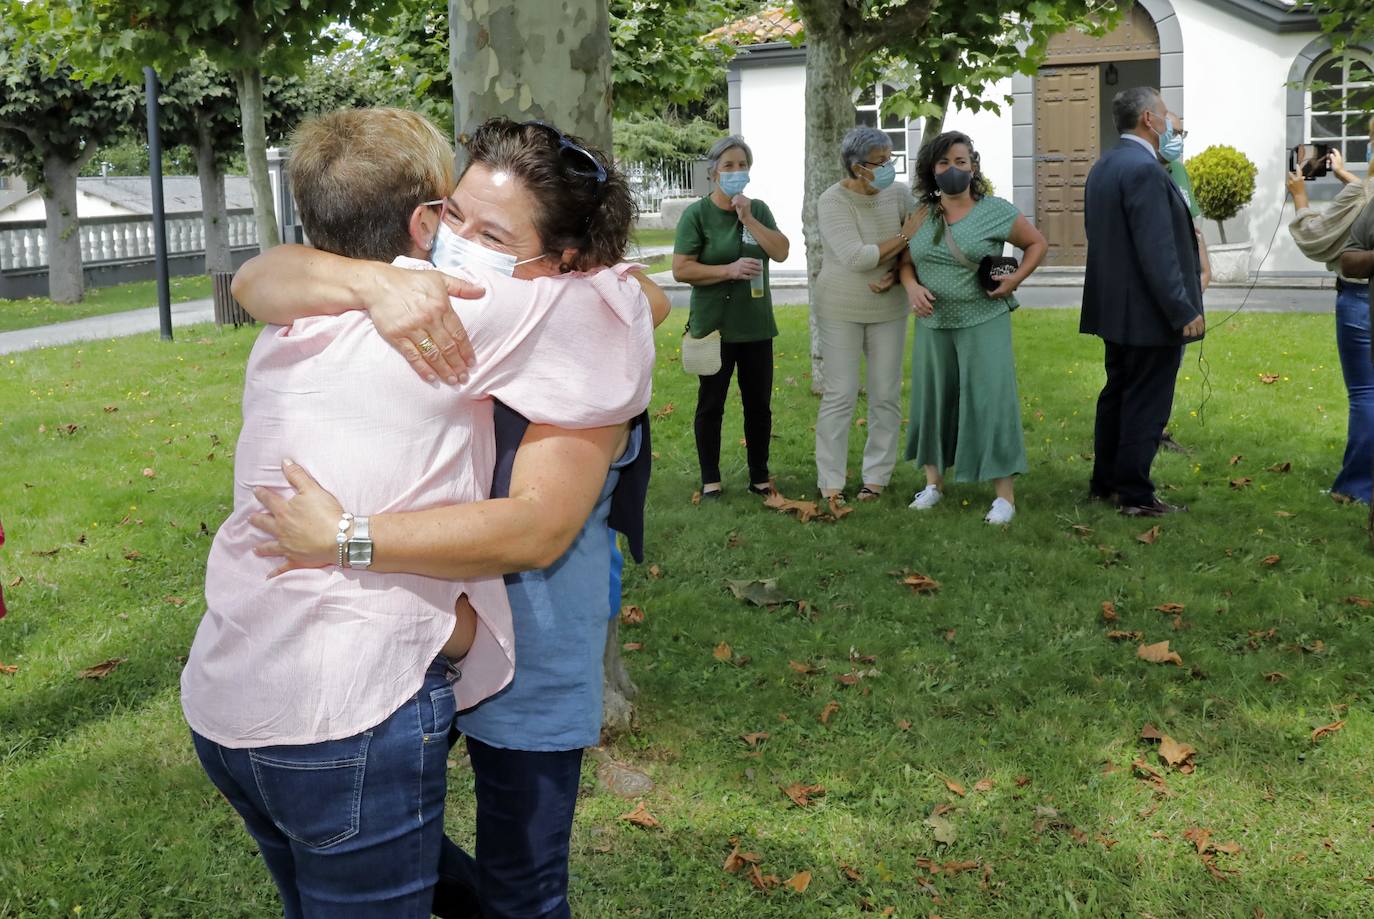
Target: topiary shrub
{"x":1223,"y":182}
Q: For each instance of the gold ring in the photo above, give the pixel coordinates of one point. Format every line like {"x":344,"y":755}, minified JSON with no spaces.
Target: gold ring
{"x":427,"y":346}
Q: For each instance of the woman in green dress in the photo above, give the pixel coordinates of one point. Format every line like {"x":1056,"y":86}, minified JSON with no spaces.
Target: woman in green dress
{"x":965,"y":412}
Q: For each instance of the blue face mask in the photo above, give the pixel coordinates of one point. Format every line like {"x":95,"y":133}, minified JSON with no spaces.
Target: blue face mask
{"x":883,"y":175}
{"x":732,"y":183}
{"x":1171,"y":145}
{"x":1168,"y":137}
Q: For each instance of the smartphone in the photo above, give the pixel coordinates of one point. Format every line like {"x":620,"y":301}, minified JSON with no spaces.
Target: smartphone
{"x":1311,"y":159}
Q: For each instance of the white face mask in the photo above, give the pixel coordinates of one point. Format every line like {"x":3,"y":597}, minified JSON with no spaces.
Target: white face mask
{"x":453,"y":251}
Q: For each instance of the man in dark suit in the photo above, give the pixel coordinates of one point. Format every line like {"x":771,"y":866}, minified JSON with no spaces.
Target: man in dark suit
{"x":1142,"y":295}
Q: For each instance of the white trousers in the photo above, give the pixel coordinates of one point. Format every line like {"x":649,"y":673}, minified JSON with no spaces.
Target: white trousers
{"x":843,"y":344}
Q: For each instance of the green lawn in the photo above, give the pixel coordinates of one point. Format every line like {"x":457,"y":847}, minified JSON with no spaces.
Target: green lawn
{"x":1003,"y":682}
{"x":36,"y":311}
{"x":654,"y":237}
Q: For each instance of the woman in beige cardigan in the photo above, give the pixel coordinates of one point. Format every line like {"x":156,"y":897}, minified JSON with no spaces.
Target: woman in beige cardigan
{"x":1321,"y":235}
{"x":866,"y":221}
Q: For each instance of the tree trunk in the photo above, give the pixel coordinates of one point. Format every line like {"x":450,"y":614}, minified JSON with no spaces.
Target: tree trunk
{"x":550,"y":60}
{"x":255,"y":138}
{"x":214,"y":211}
{"x":933,"y":124}
{"x":66,"y":279}
{"x":829,"y":114}
{"x":545,"y":59}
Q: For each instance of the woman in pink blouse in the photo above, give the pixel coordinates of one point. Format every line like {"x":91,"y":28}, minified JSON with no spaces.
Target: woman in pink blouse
{"x":321,"y":698}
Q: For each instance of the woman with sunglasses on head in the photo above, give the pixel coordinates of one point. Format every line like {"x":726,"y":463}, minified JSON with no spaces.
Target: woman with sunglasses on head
{"x":866,"y":221}
{"x":543,"y":208}
{"x":723,"y":246}
{"x":965,"y":412}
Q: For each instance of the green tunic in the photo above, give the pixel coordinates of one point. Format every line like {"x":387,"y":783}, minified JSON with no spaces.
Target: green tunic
{"x":714,"y":237}
{"x":1185,"y":187}
{"x":959,"y":301}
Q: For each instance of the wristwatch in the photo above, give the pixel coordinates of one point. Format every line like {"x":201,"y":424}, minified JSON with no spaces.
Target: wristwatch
{"x":358,"y":552}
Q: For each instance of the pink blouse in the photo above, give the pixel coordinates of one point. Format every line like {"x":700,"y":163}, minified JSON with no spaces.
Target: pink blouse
{"x":322,"y":654}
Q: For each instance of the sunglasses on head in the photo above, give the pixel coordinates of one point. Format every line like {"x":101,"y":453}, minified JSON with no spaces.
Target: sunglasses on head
{"x":576,"y":158}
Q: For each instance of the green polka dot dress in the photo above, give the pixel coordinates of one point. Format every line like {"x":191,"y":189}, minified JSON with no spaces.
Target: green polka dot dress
{"x":959,"y":300}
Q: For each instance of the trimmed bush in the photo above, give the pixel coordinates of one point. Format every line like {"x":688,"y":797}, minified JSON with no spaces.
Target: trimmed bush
{"x":1223,"y":183}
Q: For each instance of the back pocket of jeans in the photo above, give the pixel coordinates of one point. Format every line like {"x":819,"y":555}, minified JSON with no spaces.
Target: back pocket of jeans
{"x":313,"y":792}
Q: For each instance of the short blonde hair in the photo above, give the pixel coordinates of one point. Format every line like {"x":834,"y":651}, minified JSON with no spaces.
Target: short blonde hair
{"x":358,"y":174}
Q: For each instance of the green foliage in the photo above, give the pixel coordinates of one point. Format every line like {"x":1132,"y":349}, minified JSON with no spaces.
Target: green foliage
{"x":649,"y":139}
{"x":1223,"y":181}
{"x":408,"y":52}
{"x":128,"y":156}
{"x":659,"y":62}
{"x":45,"y":111}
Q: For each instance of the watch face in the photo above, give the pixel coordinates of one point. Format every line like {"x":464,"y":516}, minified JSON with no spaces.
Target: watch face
{"x":359,"y":553}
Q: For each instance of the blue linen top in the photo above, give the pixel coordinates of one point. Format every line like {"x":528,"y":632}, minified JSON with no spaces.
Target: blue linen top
{"x":559,"y":614}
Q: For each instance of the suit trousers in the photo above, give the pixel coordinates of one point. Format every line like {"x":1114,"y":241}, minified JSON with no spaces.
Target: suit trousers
{"x":1132,"y":411}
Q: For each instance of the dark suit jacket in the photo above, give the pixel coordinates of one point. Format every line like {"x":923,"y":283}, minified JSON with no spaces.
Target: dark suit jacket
{"x":1143,"y":282}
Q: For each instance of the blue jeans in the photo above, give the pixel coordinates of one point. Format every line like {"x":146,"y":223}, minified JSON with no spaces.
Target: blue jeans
{"x":1356,"y":478}
{"x":352,"y":828}
{"x":525,"y":802}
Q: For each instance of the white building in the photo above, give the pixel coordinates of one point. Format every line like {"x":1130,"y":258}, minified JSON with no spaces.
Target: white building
{"x":1237,"y":70}
{"x":127,"y":196}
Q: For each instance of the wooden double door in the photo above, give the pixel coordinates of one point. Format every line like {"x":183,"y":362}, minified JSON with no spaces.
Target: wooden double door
{"x":1067,"y":143}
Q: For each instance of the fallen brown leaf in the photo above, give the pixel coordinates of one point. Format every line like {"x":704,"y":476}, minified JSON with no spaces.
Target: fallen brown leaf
{"x":737,"y":860}
{"x":1242,"y":482}
{"x":1270,"y":560}
{"x":754,"y":738}
{"x":837,"y":510}
{"x":1150,"y":536}
{"x":664,"y":412}
{"x":1170,"y":609}
{"x":631,"y":614}
{"x":1280,"y":468}
{"x":696,"y":497}
{"x":984,"y":785}
{"x":102,"y":669}
{"x":633,"y":646}
{"x":920,"y":584}
{"x":1082,"y":529}
{"x":1235,"y":460}
{"x":9,"y":669}
{"x":1119,"y":635}
{"x":1150,"y":732}
{"x":851,"y":873}
{"x":1109,"y":613}
{"x":723,"y":652}
{"x":760,"y":880}
{"x":175,"y":601}
{"x":1158,"y":653}
{"x":1178,"y":755}
{"x":955,"y":787}
{"x":1326,"y":729}
{"x":801,"y":668}
{"x":149,"y":472}
{"x":831,"y":708}
{"x":903,"y":725}
{"x":1284,"y":514}
{"x":801,"y":794}
{"x":1022,"y":781}
{"x":655,"y":572}
{"x":1362,"y":602}
{"x":640,"y":816}
{"x":1268,"y":378}
{"x":1275,"y":677}
{"x":799,"y":881}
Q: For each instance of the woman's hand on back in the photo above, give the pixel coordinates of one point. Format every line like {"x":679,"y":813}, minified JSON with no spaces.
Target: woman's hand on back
{"x":303,"y":528}
{"x":411,"y":311}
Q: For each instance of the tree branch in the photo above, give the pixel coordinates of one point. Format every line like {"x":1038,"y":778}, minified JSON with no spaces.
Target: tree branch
{"x":906,"y":20}
{"x":31,"y":133}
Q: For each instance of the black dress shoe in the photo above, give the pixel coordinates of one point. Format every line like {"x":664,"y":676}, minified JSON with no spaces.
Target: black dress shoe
{"x":1156,"y":508}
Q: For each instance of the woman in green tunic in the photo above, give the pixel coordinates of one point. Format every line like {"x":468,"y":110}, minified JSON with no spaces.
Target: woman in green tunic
{"x":965,"y":411}
{"x":723,"y":246}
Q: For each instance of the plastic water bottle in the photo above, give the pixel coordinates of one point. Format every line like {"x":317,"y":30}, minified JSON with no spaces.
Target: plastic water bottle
{"x":756,"y":283}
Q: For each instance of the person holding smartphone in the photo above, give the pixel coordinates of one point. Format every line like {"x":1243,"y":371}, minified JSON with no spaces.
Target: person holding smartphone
{"x":1322,"y":234}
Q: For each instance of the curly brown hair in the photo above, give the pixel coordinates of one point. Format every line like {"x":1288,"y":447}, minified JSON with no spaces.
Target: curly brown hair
{"x":574,"y":208}
{"x":931,"y":153}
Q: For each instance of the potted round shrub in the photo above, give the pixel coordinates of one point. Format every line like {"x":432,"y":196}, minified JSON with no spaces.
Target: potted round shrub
{"x":1224,"y":182}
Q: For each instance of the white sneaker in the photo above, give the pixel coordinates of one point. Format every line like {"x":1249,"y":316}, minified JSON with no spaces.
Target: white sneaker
{"x":1001,"y":513}
{"x":926,"y":498}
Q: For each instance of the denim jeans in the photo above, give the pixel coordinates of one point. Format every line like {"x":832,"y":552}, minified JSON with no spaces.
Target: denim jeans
{"x":352,"y":828}
{"x":525,"y":802}
{"x":1356,"y":478}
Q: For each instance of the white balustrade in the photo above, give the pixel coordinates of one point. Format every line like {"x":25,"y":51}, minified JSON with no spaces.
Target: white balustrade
{"x":105,"y":240}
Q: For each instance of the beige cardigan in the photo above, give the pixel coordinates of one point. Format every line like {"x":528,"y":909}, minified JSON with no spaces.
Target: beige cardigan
{"x":852,"y":225}
{"x":1322,"y":234}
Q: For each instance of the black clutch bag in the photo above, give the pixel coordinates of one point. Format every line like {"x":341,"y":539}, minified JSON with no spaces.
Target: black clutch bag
{"x":994,"y":269}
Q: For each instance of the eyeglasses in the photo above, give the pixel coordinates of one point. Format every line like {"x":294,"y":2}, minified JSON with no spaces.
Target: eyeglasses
{"x":445,"y":212}
{"x":578,"y":159}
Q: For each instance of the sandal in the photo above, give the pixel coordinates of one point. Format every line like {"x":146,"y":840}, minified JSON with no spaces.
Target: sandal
{"x":868,"y":494}
{"x":763,"y":491}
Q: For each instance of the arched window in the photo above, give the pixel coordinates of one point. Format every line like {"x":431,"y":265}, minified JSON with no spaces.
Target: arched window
{"x":1340,"y":88}
{"x":868,"y":102}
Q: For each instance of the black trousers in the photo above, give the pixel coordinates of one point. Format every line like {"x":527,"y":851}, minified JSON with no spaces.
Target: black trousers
{"x":754,"y":362}
{"x":1131,"y":414}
